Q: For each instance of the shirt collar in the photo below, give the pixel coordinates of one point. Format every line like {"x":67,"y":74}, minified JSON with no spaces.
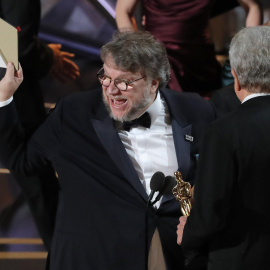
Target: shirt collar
{"x":254,"y":95}
{"x":155,"y":108}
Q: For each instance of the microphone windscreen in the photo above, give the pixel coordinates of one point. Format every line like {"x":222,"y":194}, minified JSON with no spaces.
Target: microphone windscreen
{"x":169,"y":184}
{"x":157,"y":181}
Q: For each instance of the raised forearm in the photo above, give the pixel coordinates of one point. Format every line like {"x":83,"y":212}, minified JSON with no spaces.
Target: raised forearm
{"x":253,"y":10}
{"x":124,"y":13}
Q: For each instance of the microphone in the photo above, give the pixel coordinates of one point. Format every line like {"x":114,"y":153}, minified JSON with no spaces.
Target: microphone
{"x":156,"y":184}
{"x":169,"y":184}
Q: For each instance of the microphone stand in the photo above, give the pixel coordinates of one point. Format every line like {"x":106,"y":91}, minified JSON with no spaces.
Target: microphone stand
{"x":157,"y":182}
{"x":146,"y":233}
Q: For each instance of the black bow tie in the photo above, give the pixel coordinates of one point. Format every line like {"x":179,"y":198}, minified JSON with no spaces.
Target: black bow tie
{"x":144,"y":121}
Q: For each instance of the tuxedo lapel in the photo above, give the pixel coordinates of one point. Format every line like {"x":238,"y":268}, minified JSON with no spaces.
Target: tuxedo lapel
{"x":180,"y":129}
{"x":112,"y":143}
{"x":182,"y":148}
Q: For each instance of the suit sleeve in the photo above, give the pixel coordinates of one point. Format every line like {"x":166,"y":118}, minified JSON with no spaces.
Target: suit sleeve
{"x":36,"y":57}
{"x":28,"y":156}
{"x":214,"y":186}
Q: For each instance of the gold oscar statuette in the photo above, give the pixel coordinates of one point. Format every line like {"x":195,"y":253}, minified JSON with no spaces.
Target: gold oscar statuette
{"x":183,"y":193}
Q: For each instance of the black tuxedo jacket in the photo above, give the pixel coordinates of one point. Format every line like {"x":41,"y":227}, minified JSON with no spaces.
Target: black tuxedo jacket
{"x":102,"y":204}
{"x":230,"y":218}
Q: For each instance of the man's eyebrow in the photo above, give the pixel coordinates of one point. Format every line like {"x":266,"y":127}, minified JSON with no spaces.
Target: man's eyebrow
{"x":120,"y":77}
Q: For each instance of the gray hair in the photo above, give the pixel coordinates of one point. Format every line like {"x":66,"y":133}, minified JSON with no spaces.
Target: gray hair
{"x":250,"y":58}
{"x":138,"y":52}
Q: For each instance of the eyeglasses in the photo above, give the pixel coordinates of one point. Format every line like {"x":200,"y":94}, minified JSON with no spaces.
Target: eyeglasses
{"x":121,"y":84}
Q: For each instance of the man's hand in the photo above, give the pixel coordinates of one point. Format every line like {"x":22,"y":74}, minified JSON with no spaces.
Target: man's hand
{"x":180,"y":229}
{"x":10,"y":82}
{"x":63,"y":68}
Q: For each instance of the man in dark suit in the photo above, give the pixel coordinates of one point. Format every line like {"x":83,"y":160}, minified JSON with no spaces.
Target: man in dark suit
{"x":229,"y":223}
{"x":105,"y":165}
{"x":38,"y":60}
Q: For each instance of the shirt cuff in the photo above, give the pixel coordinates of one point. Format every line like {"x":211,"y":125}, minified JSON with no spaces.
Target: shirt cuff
{"x":5,"y":103}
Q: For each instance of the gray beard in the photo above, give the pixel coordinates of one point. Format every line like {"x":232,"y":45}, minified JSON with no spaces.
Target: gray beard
{"x":133,"y":112}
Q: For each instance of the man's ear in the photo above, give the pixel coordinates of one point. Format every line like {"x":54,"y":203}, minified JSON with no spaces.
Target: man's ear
{"x":154,"y":86}
{"x":237,"y":86}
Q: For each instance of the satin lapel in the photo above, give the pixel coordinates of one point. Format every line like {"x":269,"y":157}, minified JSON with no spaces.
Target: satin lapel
{"x":182,"y":148}
{"x":180,"y":129}
{"x":113,"y":145}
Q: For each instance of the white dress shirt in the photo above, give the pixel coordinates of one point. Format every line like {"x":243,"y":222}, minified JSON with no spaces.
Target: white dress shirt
{"x":152,"y":150}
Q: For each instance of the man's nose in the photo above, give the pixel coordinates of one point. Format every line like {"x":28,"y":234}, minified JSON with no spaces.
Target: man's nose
{"x":112,"y":89}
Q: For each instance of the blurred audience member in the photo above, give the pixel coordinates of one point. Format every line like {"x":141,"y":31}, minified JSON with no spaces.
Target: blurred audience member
{"x":183,"y":27}
{"x":223,"y":27}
